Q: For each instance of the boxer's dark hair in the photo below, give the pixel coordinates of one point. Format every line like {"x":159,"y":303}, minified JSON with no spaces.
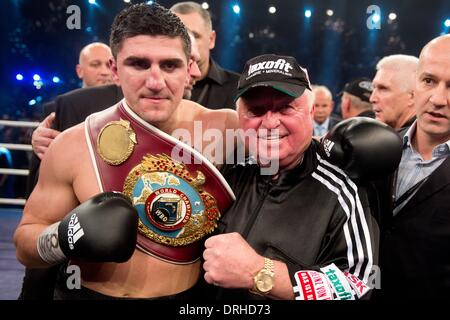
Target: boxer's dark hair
{"x":151,"y":20}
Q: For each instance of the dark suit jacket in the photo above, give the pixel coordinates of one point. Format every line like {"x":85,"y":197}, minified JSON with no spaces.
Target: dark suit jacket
{"x":73,"y":107}
{"x":367,"y":113}
{"x":334,"y":120}
{"x":218,"y":89}
{"x":415,"y":243}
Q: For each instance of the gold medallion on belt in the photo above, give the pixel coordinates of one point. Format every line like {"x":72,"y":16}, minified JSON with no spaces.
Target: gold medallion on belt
{"x":116,"y":141}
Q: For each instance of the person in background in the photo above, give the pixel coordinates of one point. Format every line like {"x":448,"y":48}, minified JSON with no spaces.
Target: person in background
{"x":355,"y":99}
{"x":217,"y":86}
{"x":415,"y":227}
{"x":393,"y":90}
{"x":93,"y":65}
{"x":324,"y":120}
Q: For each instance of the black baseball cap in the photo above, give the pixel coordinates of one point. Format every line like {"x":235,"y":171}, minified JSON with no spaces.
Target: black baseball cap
{"x":282,"y":73}
{"x":361,"y":88}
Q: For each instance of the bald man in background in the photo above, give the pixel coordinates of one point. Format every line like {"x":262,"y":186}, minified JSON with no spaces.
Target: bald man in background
{"x":324,"y":120}
{"x":93,"y":66}
{"x":415,"y":260}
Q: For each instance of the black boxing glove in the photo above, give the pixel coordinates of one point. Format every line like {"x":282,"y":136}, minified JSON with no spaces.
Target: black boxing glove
{"x":364,"y":148}
{"x":102,"y":229}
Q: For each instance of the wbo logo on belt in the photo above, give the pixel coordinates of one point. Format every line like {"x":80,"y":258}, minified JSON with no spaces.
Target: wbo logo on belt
{"x":173,"y":208}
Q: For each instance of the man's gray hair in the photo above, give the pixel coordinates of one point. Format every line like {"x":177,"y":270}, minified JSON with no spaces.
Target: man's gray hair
{"x":318,"y":88}
{"x":188,"y":7}
{"x":404,"y":66}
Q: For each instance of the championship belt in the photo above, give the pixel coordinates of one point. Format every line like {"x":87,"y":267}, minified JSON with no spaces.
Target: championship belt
{"x":178,"y":203}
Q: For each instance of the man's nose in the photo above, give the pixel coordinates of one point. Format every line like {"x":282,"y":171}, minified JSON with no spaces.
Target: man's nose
{"x":194,"y":70}
{"x":104,"y":69}
{"x":155,"y":79}
{"x":271,"y":120}
{"x":440,"y":95}
{"x":374,"y":96}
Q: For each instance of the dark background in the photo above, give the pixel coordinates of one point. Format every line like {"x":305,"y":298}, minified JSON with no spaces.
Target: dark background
{"x":334,"y":49}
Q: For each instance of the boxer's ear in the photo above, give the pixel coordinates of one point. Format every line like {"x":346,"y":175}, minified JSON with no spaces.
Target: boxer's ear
{"x":113,"y":67}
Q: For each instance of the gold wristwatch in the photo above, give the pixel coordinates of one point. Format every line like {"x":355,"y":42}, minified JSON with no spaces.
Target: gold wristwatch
{"x":264,"y":280}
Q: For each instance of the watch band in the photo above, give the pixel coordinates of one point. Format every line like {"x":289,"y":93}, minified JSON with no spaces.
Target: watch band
{"x":267,"y":273}
{"x":269,"y":265}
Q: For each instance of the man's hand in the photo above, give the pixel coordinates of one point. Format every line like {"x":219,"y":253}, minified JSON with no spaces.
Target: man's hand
{"x":43,"y":136}
{"x":230,"y":262}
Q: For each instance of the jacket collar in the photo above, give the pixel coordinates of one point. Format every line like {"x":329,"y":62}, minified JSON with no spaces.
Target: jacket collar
{"x":215,"y":72}
{"x":439,"y":179}
{"x":303,"y":169}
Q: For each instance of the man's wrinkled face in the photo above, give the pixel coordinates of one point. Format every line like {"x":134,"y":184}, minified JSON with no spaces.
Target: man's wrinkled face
{"x":388,"y":98}
{"x":283,"y":125}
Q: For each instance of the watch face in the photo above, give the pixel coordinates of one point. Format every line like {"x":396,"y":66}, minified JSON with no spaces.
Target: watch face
{"x":264,"y":281}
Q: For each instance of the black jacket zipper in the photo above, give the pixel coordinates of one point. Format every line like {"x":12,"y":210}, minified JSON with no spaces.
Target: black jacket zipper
{"x":252,"y":219}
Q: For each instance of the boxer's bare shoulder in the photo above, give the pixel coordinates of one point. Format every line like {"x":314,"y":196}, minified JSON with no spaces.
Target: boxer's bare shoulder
{"x":219,"y":119}
{"x":68,"y":160}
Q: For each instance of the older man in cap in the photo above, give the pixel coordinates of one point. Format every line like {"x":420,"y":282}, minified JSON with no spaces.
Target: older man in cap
{"x":355,"y":99}
{"x":305,"y":231}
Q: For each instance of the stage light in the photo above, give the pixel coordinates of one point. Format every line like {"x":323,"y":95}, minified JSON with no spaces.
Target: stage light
{"x":38,"y":99}
{"x":205,"y":5}
{"x":236,"y":9}
{"x":392,"y":16}
{"x":32,"y":102}
{"x":89,"y":29}
{"x":92,"y":1}
{"x":330,"y":12}
{"x":127,"y":1}
{"x":447,"y":23}
{"x":272,"y":9}
{"x":308,"y":13}
{"x":56,"y":79}
{"x":19,"y":77}
{"x":149,"y":3}
{"x":36,"y":77}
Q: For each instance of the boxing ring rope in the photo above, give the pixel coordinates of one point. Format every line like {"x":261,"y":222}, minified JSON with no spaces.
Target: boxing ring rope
{"x":17,"y":172}
{"x":11,"y":123}
{"x":13,"y":146}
